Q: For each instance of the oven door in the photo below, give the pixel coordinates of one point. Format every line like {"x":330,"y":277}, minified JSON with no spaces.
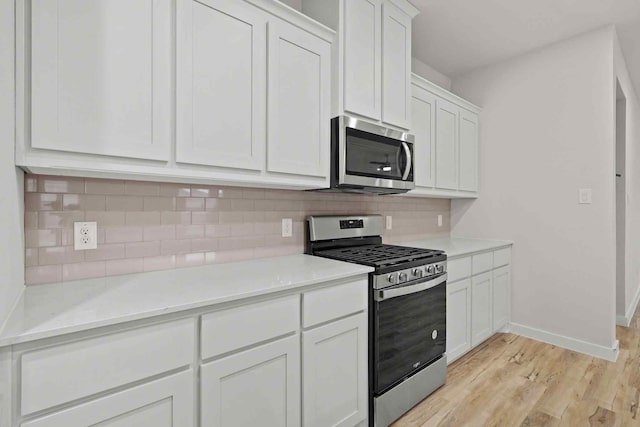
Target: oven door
{"x":371,"y":156}
{"x":409,"y":329}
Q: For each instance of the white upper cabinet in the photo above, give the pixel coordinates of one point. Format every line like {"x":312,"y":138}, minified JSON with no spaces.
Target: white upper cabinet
{"x":372,"y":57}
{"x":299,"y":71}
{"x":468,"y":147}
{"x":396,"y":66}
{"x":446,"y":142}
{"x":362,"y":57}
{"x":446,"y":150}
{"x":221,"y":82}
{"x":100,"y":76}
{"x":424,"y":113}
{"x":227,"y":92}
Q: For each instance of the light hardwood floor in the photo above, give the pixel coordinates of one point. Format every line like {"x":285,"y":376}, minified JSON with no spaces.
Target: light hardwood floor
{"x":514,"y":381}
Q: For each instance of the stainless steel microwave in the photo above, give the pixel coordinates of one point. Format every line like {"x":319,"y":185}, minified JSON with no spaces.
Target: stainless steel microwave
{"x":369,"y":158}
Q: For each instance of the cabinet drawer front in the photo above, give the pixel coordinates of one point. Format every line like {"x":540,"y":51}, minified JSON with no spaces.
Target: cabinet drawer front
{"x":63,"y":373}
{"x":228,"y":330}
{"x":482,"y":262}
{"x":458,"y":269}
{"x":327,"y":304}
{"x":164,"y":402}
{"x":256,"y":387}
{"x":501,"y":257}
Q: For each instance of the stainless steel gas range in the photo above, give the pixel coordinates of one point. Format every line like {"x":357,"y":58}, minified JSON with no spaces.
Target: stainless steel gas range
{"x":407,"y":310}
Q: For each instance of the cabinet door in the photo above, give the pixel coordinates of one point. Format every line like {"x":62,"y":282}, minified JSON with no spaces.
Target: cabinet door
{"x":446,"y":145}
{"x":101,"y":77}
{"x":257,"y":387}
{"x":458,"y":319}
{"x":299,"y":73}
{"x":481,"y":298}
{"x":501,"y":297}
{"x":221,"y":84}
{"x":362,"y":57}
{"x":335,"y":373}
{"x":164,"y":402}
{"x":423,"y":112}
{"x":468,"y":146}
{"x":396,"y":66}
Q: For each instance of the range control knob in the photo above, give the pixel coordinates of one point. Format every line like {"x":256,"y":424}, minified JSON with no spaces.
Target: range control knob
{"x":431,"y":269}
{"x":417,"y":272}
{"x":391,"y":278}
{"x":439,"y":268}
{"x":403,"y":277}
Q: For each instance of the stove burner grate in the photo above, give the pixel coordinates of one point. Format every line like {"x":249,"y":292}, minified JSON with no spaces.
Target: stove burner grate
{"x":378,"y":255}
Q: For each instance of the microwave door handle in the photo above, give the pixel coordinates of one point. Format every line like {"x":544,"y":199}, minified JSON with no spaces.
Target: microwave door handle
{"x":382,"y":295}
{"x":407,"y":153}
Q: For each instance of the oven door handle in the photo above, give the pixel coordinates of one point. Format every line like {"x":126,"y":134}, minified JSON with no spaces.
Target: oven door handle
{"x":383,"y":294}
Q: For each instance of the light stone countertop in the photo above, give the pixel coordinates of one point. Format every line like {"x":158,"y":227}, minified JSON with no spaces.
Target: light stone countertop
{"x":456,"y":247}
{"x":45,"y":311}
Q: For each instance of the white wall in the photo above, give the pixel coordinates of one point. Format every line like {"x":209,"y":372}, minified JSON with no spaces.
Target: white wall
{"x":546,"y":130}
{"x":632,"y":185}
{"x":430,"y":73}
{"x":11,"y":179}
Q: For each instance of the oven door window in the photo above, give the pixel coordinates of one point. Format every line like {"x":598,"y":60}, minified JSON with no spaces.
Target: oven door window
{"x":410,"y":332}
{"x":373,"y":155}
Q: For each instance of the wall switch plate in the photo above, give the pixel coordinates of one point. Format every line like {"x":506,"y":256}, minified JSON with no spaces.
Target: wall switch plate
{"x":85,"y":235}
{"x":287,"y":227}
{"x":439,"y":220}
{"x":388,"y":222}
{"x":584,"y":196}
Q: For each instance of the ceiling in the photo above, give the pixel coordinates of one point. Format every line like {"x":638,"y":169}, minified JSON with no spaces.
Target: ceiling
{"x":456,"y":36}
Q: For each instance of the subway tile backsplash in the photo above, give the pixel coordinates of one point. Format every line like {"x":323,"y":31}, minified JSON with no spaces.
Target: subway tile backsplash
{"x":146,"y":226}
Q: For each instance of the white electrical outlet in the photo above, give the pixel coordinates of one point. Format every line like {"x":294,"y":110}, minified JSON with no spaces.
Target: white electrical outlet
{"x":439,"y":220}
{"x":584,"y":196}
{"x":85,"y":235}
{"x":287,"y":227}
{"x":388,"y":222}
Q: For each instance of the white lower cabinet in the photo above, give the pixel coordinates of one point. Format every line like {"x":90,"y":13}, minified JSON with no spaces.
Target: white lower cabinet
{"x":260,"y":363}
{"x":481,"y":327}
{"x":166,"y":402}
{"x":478,"y":299}
{"x":260,"y":386}
{"x":458,"y":319}
{"x":335,"y":373}
{"x":501,"y":297}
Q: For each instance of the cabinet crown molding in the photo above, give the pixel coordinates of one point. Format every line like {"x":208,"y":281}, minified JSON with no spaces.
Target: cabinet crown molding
{"x":406,"y":7}
{"x":295,"y":17}
{"x":443,"y":93}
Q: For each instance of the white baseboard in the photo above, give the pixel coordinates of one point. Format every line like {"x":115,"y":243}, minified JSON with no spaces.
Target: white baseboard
{"x":623,"y":321}
{"x":626,"y":319}
{"x":595,"y":350}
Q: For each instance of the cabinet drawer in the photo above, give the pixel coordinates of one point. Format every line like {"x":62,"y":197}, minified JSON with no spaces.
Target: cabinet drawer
{"x":331,"y":303}
{"x":458,"y":269}
{"x":55,"y":375}
{"x":227,"y":330}
{"x":167,"y":401}
{"x":482,"y":262}
{"x":501,"y":257}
